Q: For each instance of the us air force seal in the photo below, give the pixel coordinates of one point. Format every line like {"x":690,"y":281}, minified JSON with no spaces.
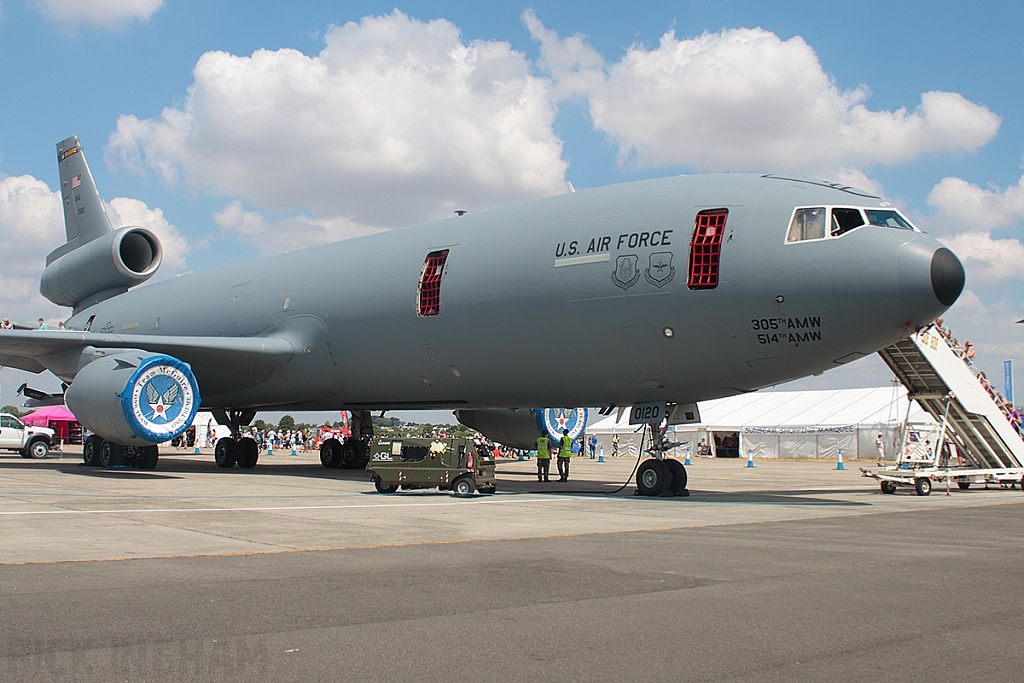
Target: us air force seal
{"x":554,"y":420}
{"x":660,"y":272}
{"x":625,"y":274}
{"x":160,"y":399}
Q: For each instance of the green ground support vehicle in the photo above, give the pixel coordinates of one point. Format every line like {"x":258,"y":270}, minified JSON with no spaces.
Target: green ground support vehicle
{"x":451,"y":463}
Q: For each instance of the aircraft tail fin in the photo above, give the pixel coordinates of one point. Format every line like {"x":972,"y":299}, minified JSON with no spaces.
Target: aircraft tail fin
{"x":85,"y":218}
{"x":97,"y":262}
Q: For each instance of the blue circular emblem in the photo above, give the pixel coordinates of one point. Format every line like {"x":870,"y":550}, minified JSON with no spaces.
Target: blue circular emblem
{"x":554,"y":420}
{"x":160,"y":399}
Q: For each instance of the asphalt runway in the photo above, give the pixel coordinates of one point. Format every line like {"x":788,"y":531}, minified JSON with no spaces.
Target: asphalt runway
{"x":784,"y":572}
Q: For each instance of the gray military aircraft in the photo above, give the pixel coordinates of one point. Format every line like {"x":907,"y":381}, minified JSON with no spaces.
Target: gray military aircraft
{"x":673,"y":290}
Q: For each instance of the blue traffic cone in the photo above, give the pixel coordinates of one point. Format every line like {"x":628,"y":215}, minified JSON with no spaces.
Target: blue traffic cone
{"x":687,"y":461}
{"x":839,"y":465}
{"x":750,"y":457}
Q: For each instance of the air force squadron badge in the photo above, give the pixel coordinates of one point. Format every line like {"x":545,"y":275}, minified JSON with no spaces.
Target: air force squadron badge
{"x":660,"y":272}
{"x":625,"y":274}
{"x":161,"y":398}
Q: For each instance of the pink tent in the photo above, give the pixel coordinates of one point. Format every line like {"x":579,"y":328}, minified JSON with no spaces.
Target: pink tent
{"x":58,"y":418}
{"x":41,"y":417}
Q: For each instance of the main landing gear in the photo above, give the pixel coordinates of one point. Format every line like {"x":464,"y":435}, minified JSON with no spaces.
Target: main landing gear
{"x":98,"y":452}
{"x":235,"y":449}
{"x":354,"y":454}
{"x":660,"y":476}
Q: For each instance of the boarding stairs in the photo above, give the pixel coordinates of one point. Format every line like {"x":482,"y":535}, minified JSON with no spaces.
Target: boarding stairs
{"x":940,"y":381}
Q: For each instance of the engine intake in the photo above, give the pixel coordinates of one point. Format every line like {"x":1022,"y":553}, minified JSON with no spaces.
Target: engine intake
{"x":104,"y":267}
{"x":135,"y":398}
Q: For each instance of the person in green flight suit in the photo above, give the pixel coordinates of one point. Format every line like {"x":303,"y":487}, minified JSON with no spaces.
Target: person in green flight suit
{"x":564,"y":454}
{"x":543,"y":456}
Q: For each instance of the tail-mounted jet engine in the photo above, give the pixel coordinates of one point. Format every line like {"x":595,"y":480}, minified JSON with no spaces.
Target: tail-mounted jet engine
{"x":135,"y":398}
{"x":103,"y":267}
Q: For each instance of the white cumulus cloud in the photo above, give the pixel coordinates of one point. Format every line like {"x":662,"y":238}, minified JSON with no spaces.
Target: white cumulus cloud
{"x":988,"y":262}
{"x":964,"y":205}
{"x":746,"y":99}
{"x":395,"y":121}
{"x":32,"y":225}
{"x":105,"y":13}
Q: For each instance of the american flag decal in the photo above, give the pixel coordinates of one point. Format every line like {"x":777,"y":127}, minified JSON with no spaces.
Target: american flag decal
{"x":76,"y":181}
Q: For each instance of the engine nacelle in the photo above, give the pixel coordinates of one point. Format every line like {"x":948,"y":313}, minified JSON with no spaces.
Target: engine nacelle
{"x":112,"y":263}
{"x":135,"y":398}
{"x":522,"y":428}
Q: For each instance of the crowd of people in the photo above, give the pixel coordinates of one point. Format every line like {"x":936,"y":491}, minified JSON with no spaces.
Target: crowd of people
{"x":966,"y":353}
{"x":6,"y":324}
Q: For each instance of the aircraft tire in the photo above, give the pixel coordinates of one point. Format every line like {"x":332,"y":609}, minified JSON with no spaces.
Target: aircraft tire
{"x":330,"y":453}
{"x":923,"y":486}
{"x":652,"y":477}
{"x":91,"y":451}
{"x":678,"y":472}
{"x":382,"y":487}
{"x":111,"y":454}
{"x":149,"y":458}
{"x":463,"y":486}
{"x":249,"y":448}
{"x":887,"y":487}
{"x":225,"y":453}
{"x":247,"y":453}
{"x":353,"y":455}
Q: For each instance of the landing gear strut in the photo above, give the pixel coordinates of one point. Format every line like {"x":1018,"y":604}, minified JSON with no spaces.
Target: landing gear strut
{"x":235,"y":449}
{"x":355,"y":452}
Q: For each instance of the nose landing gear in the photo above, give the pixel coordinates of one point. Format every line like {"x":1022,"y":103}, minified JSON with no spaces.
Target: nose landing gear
{"x":659,"y":475}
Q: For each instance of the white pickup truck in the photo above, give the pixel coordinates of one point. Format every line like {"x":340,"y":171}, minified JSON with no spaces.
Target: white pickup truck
{"x":30,"y":442}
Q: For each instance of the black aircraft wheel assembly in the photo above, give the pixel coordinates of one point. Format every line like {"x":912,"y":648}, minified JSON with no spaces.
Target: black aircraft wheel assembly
{"x":354,"y":455}
{"x":149,"y":458}
{"x":91,"y":451}
{"x":225,"y":453}
{"x":330,"y":453}
{"x":111,"y":454}
{"x":247,"y":453}
{"x":652,"y":478}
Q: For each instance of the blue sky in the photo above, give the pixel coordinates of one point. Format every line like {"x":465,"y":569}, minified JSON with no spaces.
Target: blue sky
{"x":226,"y":125}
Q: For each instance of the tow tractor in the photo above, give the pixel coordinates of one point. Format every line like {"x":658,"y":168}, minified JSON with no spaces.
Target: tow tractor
{"x":452,"y":463}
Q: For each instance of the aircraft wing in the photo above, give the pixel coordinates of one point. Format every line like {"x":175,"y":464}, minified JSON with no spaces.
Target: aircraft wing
{"x":24,"y":349}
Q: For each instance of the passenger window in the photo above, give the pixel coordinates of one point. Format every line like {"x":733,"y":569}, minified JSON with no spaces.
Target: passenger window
{"x":808,"y":224}
{"x":428,"y":299}
{"x":887,"y":219}
{"x":845,"y":220}
{"x":706,"y":247}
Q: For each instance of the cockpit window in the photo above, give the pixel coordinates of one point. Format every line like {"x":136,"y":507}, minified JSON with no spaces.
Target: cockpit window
{"x":845,"y":220}
{"x":887,"y":219}
{"x":808,"y":224}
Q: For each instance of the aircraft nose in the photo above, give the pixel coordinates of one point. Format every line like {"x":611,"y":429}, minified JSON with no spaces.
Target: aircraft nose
{"x":931,"y":278}
{"x":947,"y":276}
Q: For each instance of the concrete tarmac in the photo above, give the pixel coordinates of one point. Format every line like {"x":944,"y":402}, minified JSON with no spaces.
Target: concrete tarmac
{"x":790,"y":571}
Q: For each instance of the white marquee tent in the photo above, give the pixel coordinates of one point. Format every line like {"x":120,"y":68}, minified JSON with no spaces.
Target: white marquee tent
{"x":790,"y":424}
